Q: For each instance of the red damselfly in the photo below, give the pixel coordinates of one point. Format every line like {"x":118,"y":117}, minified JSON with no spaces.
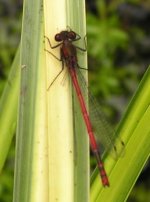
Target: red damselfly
{"x":96,"y":124}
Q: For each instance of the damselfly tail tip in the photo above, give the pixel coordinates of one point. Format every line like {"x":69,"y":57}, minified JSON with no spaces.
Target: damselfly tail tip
{"x":104,"y":177}
{"x":105,"y":182}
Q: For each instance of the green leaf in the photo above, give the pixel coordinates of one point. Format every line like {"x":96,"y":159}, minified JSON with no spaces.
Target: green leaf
{"x":31,"y":172}
{"x":8,"y":110}
{"x":47,"y":168}
{"x":134,"y":130}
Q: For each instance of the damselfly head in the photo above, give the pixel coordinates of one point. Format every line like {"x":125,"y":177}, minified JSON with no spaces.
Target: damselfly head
{"x":65,"y":35}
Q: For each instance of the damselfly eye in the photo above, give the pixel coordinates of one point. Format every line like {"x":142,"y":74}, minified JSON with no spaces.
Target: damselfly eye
{"x":58,"y":37}
{"x":71,"y":35}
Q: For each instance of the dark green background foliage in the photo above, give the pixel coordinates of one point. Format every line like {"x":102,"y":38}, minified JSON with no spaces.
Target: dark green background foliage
{"x":10,"y":32}
{"x":118,"y":55}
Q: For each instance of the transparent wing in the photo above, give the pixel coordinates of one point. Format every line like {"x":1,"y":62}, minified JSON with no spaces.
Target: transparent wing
{"x":103,"y":131}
